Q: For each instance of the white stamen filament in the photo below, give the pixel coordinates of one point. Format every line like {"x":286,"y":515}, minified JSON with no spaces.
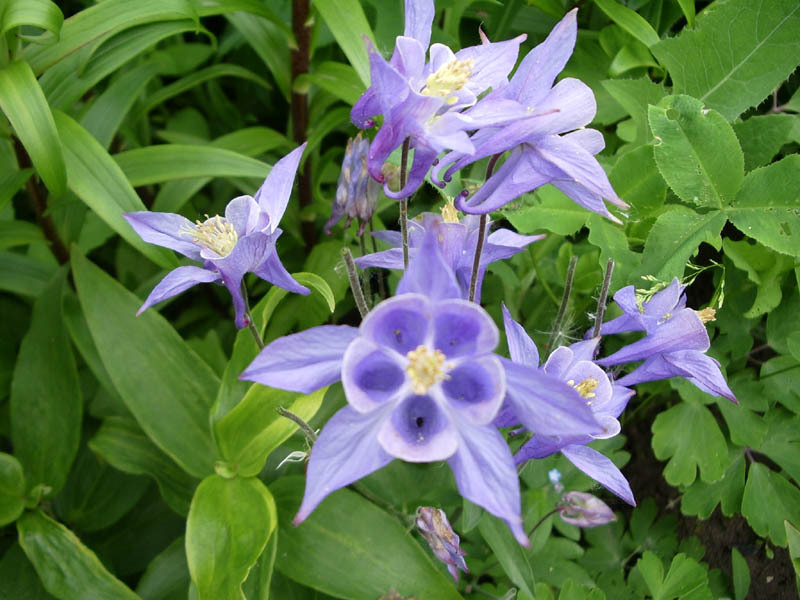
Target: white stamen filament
{"x":215,"y":233}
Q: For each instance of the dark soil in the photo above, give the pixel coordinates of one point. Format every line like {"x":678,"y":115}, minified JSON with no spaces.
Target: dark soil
{"x":772,"y":579}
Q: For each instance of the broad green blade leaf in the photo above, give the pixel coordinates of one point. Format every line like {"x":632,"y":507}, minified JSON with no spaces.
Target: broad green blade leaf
{"x":696,"y":151}
{"x":687,"y":6}
{"x":229,"y":524}
{"x":207,"y":8}
{"x":258,"y":584}
{"x":630,"y":21}
{"x":167,"y":576}
{"x":740,"y":51}
{"x":98,"y":181}
{"x":675,"y":238}
{"x":18,"y":578}
{"x":46,"y":404}
{"x":67,"y":568}
{"x":36,"y":13}
{"x":339,"y":79}
{"x":268,"y":41}
{"x":769,"y":500}
{"x":19,"y":233}
{"x":103,"y":19}
{"x":330,"y":122}
{"x":22,"y":274}
{"x":349,"y":548}
{"x":10,"y":183}
{"x":166,"y":386}
{"x":156,"y":164}
{"x":766,"y":206}
{"x":636,"y":180}
{"x":634,"y":95}
{"x":549,"y":209}
{"x":25,"y":106}
{"x":249,"y":433}
{"x":688,"y":435}
{"x":513,"y":557}
{"x":123,"y":444}
{"x":12,"y":489}
{"x":741,"y":573}
{"x":348,"y":24}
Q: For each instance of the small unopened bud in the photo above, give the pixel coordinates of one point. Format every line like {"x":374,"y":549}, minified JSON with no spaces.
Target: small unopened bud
{"x":434,"y":527}
{"x":356,"y":191}
{"x":585,"y":510}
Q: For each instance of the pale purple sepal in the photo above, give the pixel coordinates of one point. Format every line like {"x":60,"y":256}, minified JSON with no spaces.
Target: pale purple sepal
{"x":347,"y":450}
{"x":165,"y":229}
{"x":430,"y":277}
{"x":520,"y":346}
{"x":303,"y":362}
{"x":601,"y":469}
{"x":272,"y":270}
{"x":273,"y":195}
{"x":419,"y":20}
{"x":177,"y":281}
{"x":485,"y":474}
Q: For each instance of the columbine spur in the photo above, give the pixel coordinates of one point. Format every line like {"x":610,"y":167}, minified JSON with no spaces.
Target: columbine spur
{"x":243,"y":241}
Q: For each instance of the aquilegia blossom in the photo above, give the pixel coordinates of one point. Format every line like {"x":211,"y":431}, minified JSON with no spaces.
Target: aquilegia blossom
{"x":422,"y":385}
{"x":243,"y":241}
{"x":574,"y":366}
{"x":675,"y":343}
{"x":457,"y":239}
{"x":422,"y":101}
{"x":544,"y":133}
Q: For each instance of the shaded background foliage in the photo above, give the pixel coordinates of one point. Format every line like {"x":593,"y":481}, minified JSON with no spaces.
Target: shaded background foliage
{"x":112,"y":427}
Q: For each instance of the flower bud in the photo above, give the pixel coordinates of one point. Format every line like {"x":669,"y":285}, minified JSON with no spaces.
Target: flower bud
{"x":434,"y":527}
{"x":585,"y":510}
{"x":356,"y":191}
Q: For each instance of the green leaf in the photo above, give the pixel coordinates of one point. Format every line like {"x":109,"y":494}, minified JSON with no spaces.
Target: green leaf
{"x":12,"y":489}
{"x":46,"y":404}
{"x":513,"y":557}
{"x":761,"y":137}
{"x":23,"y":275}
{"x":635,"y":95}
{"x":67,"y":568}
{"x":337,"y":78}
{"x":35,"y":13}
{"x":766,"y":207}
{"x":10,"y":183}
{"x":19,"y":233}
{"x":249,"y":433}
{"x":166,"y":386}
{"x":122,"y":443}
{"x":696,"y":151}
{"x":228,"y":527}
{"x":675,"y":238}
{"x":768,"y":501}
{"x":793,"y":538}
{"x":637,"y":181}
{"x":95,"y":22}
{"x":18,"y":579}
{"x":349,"y":548}
{"x":782,"y":440}
{"x":167,"y":575}
{"x":630,"y":21}
{"x":98,"y":181}
{"x":24,"y":104}
{"x":741,"y":574}
{"x":551,"y":210}
{"x":690,"y":438}
{"x":764,"y":267}
{"x":258,"y":584}
{"x":740,"y":51}
{"x":269,"y":41}
{"x":701,"y":498}
{"x":613,"y":243}
{"x":156,"y":164}
{"x":687,"y":7}
{"x":348,"y":24}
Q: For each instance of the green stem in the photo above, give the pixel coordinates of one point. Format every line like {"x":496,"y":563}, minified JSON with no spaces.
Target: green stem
{"x":562,"y":310}
{"x":250,"y":322}
{"x":355,"y":285}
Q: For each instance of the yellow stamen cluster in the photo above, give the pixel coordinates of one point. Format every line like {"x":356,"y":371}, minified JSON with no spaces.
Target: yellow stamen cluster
{"x":586,"y":387}
{"x":449,"y":212}
{"x":707,"y":314}
{"x":425,"y":368}
{"x":214,"y":233}
{"x":449,"y":78}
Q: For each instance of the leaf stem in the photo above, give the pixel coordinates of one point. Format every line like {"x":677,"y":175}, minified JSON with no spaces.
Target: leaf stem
{"x":476,"y":262}
{"x":562,"y":310}
{"x":601,"y":302}
{"x":309,"y":432}
{"x":355,"y":285}
{"x":249,"y":316}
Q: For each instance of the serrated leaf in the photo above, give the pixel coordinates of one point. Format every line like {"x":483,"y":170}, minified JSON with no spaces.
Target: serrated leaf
{"x":350,"y":548}
{"x":701,"y":498}
{"x":764,"y":267}
{"x":551,"y":210}
{"x":636,"y":180}
{"x":613,"y":244}
{"x":688,"y":435}
{"x":12,"y":489}
{"x":740,"y":51}
{"x":67,"y":568}
{"x":696,"y":151}
{"x":768,"y":501}
{"x":766,"y":207}
{"x":761,"y":137}
{"x":46,"y":403}
{"x":686,"y":579}
{"x":229,"y":523}
{"x":782,"y":440}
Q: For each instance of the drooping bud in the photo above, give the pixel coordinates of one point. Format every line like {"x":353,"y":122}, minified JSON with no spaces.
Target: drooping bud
{"x":585,"y":510}
{"x":356,"y":191}
{"x":435,"y":528}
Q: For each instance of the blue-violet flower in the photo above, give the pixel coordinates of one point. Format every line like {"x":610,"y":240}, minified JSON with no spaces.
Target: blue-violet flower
{"x":444,"y":542}
{"x":356,"y":191}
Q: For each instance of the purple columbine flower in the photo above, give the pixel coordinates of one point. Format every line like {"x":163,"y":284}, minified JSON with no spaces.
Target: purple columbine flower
{"x":422,"y":384}
{"x":675,"y":343}
{"x":243,"y":241}
{"x":356,"y":191}
{"x":422,"y":101}
{"x":444,"y":542}
{"x":542,"y":124}
{"x":574,"y":366}
{"x":457,"y":239}
{"x":585,"y":510}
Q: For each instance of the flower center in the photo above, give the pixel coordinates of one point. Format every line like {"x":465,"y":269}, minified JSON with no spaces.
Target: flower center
{"x":449,"y":212}
{"x":425,"y":368}
{"x":586,"y":387}
{"x":215,"y":233}
{"x":707,"y":314}
{"x":449,"y":78}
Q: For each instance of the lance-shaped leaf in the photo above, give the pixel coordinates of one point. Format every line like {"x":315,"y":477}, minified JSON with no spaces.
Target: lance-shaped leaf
{"x":35,"y":13}
{"x":229,"y":524}
{"x":12,"y":489}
